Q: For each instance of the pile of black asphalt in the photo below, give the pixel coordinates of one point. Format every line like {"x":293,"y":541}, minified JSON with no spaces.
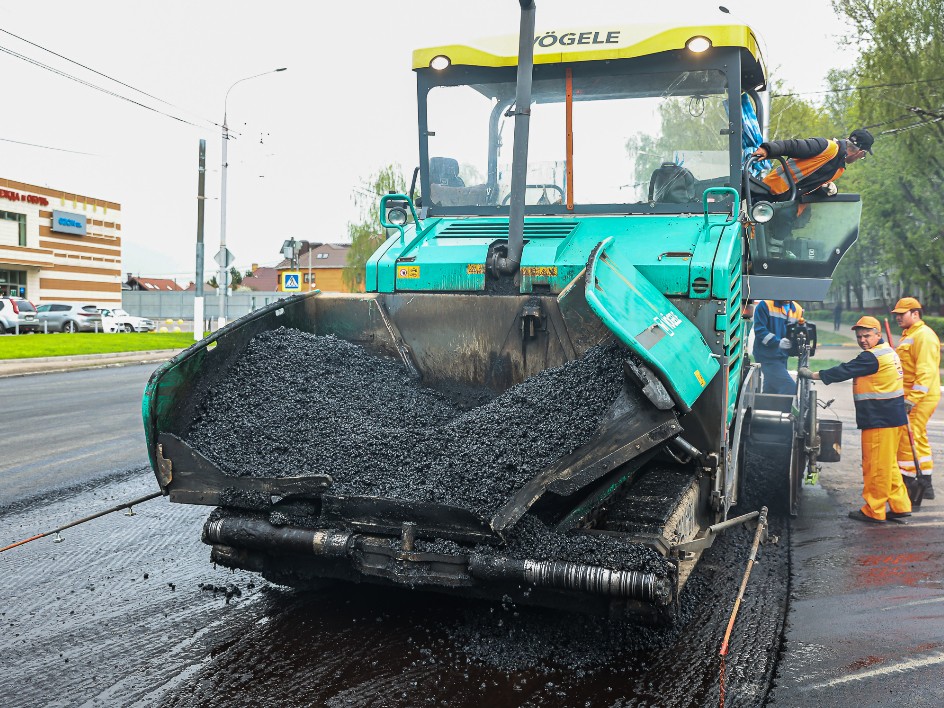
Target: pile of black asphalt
{"x":299,"y":404}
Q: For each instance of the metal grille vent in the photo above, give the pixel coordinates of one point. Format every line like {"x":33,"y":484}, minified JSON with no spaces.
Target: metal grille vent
{"x":499,"y":229}
{"x":700,"y":285}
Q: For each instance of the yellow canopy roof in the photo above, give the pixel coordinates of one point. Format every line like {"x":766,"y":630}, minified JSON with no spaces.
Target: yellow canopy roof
{"x":591,"y":44}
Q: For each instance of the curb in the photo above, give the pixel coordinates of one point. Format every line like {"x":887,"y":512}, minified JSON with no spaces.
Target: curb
{"x":58,"y":364}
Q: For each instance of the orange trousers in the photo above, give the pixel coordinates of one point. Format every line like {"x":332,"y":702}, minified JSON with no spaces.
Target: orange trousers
{"x":920,"y":415}
{"x":880,"y":474}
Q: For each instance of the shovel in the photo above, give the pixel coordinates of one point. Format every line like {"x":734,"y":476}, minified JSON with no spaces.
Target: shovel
{"x":919,"y":488}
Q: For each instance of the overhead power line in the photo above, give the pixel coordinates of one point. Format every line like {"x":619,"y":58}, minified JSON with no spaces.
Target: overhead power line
{"x":109,"y":92}
{"x":859,"y":88}
{"x":88,"y":68}
{"x":48,"y":147}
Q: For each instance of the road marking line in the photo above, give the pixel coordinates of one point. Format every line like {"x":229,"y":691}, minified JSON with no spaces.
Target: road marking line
{"x":913,"y":603}
{"x":909,"y":665}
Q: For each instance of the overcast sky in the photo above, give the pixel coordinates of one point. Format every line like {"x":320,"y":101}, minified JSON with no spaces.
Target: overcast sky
{"x":309,"y":136}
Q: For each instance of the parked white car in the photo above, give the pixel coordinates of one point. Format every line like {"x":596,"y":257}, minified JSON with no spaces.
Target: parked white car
{"x":118,"y":320}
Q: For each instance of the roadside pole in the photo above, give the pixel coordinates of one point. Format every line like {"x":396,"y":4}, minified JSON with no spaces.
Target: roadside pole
{"x":198,"y":281}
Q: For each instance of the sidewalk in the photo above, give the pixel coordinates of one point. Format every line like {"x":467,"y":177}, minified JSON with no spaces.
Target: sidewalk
{"x":51,"y":364}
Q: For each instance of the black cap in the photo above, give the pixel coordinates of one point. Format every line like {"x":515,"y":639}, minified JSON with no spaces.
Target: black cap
{"x":862,"y":139}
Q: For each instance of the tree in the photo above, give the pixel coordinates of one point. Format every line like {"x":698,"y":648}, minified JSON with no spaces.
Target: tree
{"x":901,"y":44}
{"x":367,"y":235}
{"x":235,"y":278}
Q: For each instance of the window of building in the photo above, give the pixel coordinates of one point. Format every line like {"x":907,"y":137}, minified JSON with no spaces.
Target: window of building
{"x":20,"y":218}
{"x":321,"y":255}
{"x":12,"y":283}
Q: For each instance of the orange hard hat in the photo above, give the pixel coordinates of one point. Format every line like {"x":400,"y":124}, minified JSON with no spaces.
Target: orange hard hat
{"x":867,"y":321}
{"x":906,"y":304}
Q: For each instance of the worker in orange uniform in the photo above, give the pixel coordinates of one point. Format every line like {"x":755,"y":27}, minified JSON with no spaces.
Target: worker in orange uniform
{"x":877,"y":389}
{"x":920,"y":352}
{"x":815,"y":163}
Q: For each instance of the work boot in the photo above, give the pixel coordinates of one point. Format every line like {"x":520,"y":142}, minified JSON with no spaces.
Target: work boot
{"x":912,"y":485}
{"x":925,"y":481}
{"x":859,"y":515}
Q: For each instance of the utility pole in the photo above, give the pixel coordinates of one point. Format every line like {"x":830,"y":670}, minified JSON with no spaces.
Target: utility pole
{"x":198,"y":281}
{"x":223,"y":277}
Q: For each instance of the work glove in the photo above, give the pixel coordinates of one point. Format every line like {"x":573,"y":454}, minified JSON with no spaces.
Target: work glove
{"x":804,"y":373}
{"x":785,"y":344}
{"x":909,"y":405}
{"x":831,"y":189}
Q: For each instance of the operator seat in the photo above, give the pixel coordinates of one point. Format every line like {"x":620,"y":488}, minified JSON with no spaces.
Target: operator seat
{"x":444,"y":171}
{"x":672,"y":184}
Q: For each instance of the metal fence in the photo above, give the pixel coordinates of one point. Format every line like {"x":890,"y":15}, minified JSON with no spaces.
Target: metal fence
{"x":178,"y":305}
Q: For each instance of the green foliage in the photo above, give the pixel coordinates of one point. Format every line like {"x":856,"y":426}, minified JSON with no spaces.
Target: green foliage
{"x":849,"y":318}
{"x":235,"y":277}
{"x":901,"y":45}
{"x":367,"y":235}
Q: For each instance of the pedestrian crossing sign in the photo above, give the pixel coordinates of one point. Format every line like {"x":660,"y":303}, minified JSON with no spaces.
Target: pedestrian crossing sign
{"x":291,"y":281}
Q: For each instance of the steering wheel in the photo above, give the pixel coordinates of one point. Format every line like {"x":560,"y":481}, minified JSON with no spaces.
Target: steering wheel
{"x":537,"y":186}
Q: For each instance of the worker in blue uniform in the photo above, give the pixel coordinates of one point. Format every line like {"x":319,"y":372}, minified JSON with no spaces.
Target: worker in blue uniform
{"x":771,"y":344}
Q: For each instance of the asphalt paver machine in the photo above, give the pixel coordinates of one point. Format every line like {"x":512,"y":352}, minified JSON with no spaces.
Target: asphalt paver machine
{"x":575,"y":187}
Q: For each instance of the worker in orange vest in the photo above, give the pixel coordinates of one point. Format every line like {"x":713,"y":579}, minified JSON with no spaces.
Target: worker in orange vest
{"x":920,"y":352}
{"x":879,"y":397}
{"x":815,"y":163}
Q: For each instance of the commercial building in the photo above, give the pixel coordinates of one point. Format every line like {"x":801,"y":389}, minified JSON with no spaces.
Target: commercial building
{"x":59,"y":246}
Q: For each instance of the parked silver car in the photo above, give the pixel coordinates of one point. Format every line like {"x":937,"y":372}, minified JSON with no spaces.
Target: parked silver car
{"x":17,"y":313}
{"x":69,"y":317}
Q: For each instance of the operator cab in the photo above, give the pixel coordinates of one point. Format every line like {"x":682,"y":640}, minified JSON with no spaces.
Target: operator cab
{"x":622,"y":127}
{"x":624,"y":121}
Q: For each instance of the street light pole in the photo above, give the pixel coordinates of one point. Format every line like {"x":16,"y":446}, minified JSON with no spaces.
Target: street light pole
{"x":223,"y":277}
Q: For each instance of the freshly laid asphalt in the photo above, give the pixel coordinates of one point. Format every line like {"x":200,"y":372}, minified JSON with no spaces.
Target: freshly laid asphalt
{"x":866,"y":617}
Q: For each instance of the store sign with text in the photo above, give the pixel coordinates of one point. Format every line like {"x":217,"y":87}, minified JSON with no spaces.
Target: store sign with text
{"x":12,"y":196}
{"x":65,"y":223}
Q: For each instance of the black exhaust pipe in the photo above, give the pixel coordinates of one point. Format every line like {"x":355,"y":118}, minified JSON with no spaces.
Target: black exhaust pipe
{"x":511,"y":261}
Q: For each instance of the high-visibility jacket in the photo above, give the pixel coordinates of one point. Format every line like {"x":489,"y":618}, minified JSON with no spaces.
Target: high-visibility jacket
{"x":771,"y":318}
{"x":920,"y":352}
{"x":812,"y":162}
{"x":877,"y":390}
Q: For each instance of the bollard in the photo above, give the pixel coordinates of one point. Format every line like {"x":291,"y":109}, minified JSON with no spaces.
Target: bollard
{"x":96,"y":328}
{"x":45,"y":327}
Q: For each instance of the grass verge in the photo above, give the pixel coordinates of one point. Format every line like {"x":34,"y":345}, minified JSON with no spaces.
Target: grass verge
{"x":819,"y":364}
{"x":26,"y":346}
{"x":833,"y":338}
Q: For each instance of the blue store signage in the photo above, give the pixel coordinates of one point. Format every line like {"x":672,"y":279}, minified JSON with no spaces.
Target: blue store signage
{"x":66,"y":223}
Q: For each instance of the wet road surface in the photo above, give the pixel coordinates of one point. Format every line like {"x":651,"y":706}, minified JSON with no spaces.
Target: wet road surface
{"x":127,"y":610}
{"x":62,"y":429}
{"x":866,"y":625}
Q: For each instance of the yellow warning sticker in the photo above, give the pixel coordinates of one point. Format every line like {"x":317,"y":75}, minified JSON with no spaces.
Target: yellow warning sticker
{"x":408,"y":272}
{"x":539,"y":271}
{"x":701,"y":379}
{"x":475,"y":269}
